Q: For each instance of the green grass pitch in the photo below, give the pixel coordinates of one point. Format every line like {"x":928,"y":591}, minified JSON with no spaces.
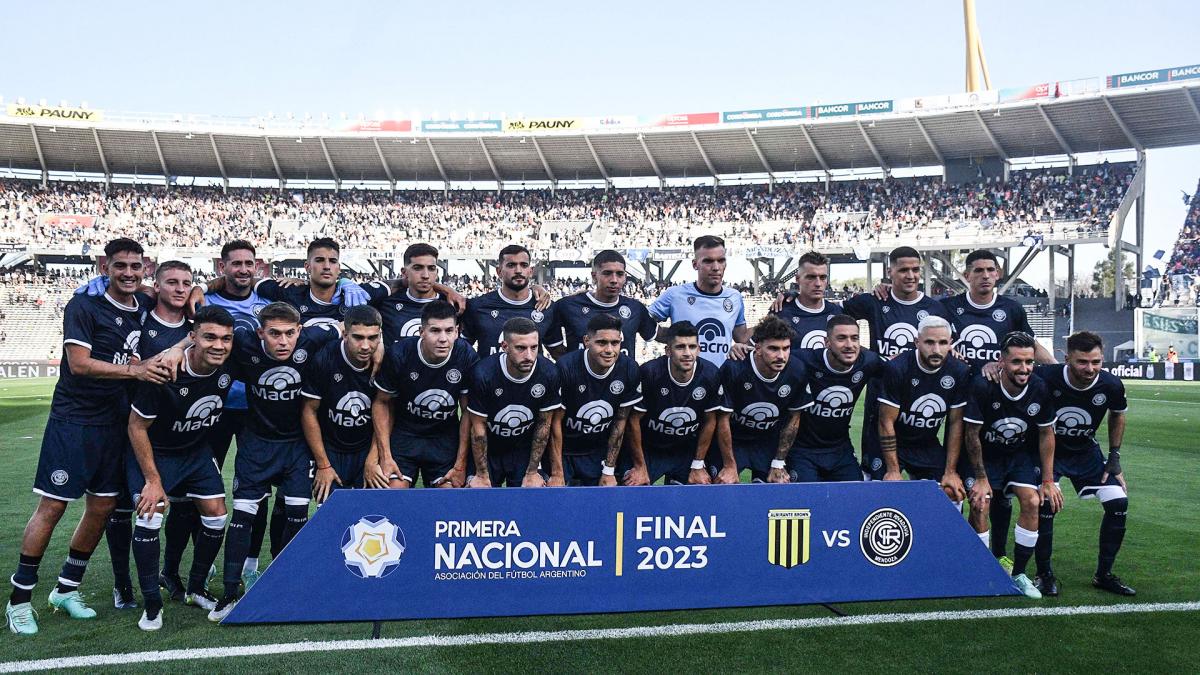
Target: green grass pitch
{"x":1159,"y":558}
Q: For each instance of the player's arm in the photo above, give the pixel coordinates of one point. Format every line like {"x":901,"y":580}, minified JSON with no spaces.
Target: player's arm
{"x":80,"y":359}
{"x":479,"y":449}
{"x":951,"y":481}
{"x":139,"y":438}
{"x":457,"y":476}
{"x":616,"y":438}
{"x":325,"y":475}
{"x":1116,"y":434}
{"x":637,"y":474}
{"x":698,"y":475}
{"x":741,"y":347}
{"x":728,"y":473}
{"x":981,"y":491}
{"x":1049,"y":490}
{"x":554,"y":462}
{"x":1041,"y":354}
{"x":541,"y":439}
{"x":787,"y":436}
{"x":887,"y":440}
{"x":381,"y":424}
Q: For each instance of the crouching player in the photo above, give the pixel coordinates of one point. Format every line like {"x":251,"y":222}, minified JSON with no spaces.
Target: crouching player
{"x":921,"y":391}
{"x":336,"y":417}
{"x":169,"y":427}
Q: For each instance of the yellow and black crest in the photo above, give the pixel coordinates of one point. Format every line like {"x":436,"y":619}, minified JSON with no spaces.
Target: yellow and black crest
{"x":787,"y":537}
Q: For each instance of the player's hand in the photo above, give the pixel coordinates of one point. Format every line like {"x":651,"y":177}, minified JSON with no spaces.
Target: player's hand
{"x":533,"y":479}
{"x":556,"y":480}
{"x":992,"y":371}
{"x":1112,"y":467}
{"x":373,"y":476}
{"x":883,"y":291}
{"x":739,"y":350}
{"x":152,"y":495}
{"x":172,"y":359}
{"x":154,"y":372}
{"x":291,"y":282}
{"x":892,"y":475}
{"x":1049,"y":492}
{"x":455,"y":298}
{"x":636,"y":476}
{"x":195,"y":301}
{"x":480,"y":481}
{"x":981,"y":494}
{"x":456,"y":476}
{"x":607,"y":480}
{"x":541,"y":297}
{"x":728,"y":476}
{"x":778,"y":476}
{"x":699,"y":477}
{"x":952,"y":485}
{"x":353,"y":295}
{"x":323,"y":483}
{"x":781,"y":300}
{"x":1120,"y":480}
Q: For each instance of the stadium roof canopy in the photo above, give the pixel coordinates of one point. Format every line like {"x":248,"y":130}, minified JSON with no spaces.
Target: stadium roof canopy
{"x":1136,"y":118}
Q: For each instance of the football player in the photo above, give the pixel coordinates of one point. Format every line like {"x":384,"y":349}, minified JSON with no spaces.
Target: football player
{"x":574,"y":311}
{"x":808,"y":312}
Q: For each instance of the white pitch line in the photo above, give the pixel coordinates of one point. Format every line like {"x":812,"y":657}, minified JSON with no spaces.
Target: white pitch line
{"x":1163,"y":400}
{"x":669,"y":630}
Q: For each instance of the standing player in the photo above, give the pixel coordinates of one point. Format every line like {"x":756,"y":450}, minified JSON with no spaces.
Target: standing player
{"x":757,"y":392}
{"x":1083,"y":393}
{"x":401,"y":310}
{"x":808,"y":312}
{"x":672,"y":427}
{"x":574,"y":311}
{"x":835,"y":376}
{"x":486,"y":315}
{"x":271,"y":448}
{"x":893,"y":327}
{"x":421,"y":386}
{"x":168,"y":434}
{"x":1005,"y":453}
{"x":921,"y":391}
{"x":84,"y":442}
{"x":336,"y":417}
{"x":511,"y":402}
{"x":980,"y":317}
{"x":599,"y":384}
{"x":714,"y":309}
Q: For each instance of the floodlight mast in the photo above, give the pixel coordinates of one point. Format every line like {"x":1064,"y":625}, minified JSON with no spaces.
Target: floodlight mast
{"x":977,"y":70}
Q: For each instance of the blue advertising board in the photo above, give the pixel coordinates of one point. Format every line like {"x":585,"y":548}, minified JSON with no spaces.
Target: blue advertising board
{"x":765,"y":115}
{"x":1145,"y":77}
{"x":373,"y":555}
{"x":461,"y":125}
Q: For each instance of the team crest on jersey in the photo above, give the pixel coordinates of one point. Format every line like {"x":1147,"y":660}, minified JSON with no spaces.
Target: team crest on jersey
{"x":691,"y":299}
{"x":337,"y":377}
{"x":623,"y":312}
{"x":698,"y":393}
{"x":857,"y":377}
{"x":922,"y":315}
{"x":727,"y":305}
{"x":119,"y":321}
{"x":537,"y":391}
{"x":303,"y":309}
{"x":537,"y":316}
{"x":495,"y":314}
{"x":663,"y":391}
{"x":582,"y":388}
{"x":499,"y":392}
{"x":947,"y":382}
{"x":59,"y":477}
{"x":995,"y":406}
{"x":795,"y":319}
{"x":300,"y":356}
{"x":152,"y":333}
{"x":1099,"y":399}
{"x":413,"y":376}
{"x":224,"y":380}
{"x":616,"y":386}
{"x":819,"y":374}
{"x":785,"y":390}
{"x":254,"y":359}
{"x":183,"y":391}
{"x":453,"y":376}
{"x":914,"y":381}
{"x":886,"y":309}
{"x":1033,"y":409}
{"x":747,"y":386}
{"x":585,"y":310}
{"x":959,"y":311}
{"x":999,"y":315}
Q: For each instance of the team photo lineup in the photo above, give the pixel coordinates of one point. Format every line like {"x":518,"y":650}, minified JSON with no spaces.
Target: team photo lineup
{"x":312,"y":386}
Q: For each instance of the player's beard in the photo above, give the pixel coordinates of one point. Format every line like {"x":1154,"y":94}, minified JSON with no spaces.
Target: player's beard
{"x":517,"y":285}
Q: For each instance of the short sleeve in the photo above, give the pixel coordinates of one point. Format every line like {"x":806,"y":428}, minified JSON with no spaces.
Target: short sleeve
{"x":377,"y":292}
{"x":146,"y":400}
{"x":269,"y":289}
{"x":974,"y":413}
{"x":1021,"y":319}
{"x":1046,"y":413}
{"x":78,"y":324}
{"x":741,"y":313}
{"x":648,"y":327}
{"x":1117,"y":402}
{"x":386,"y":378}
{"x":554,"y":328}
{"x":552,"y":399}
{"x":660,"y":309}
{"x":632,"y":393}
{"x":319,"y":335}
{"x":725,"y":386}
{"x":889,"y":390}
{"x":477,"y":393}
{"x":858,"y":307}
{"x":469,"y":327}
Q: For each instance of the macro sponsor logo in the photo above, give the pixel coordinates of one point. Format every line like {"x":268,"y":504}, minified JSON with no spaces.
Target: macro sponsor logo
{"x":897,"y":338}
{"x":1074,"y":422}
{"x":713,"y":338}
{"x":281,"y":383}
{"x":833,"y":402}
{"x":511,"y":421}
{"x":927,"y":412}
{"x":758,"y":415}
{"x":978,"y":343}
{"x":679,"y":421}
{"x":352,"y":410}
{"x":813,"y":339}
{"x":205,"y":412}
{"x":1006,"y":431}
{"x":432,"y":404}
{"x":593,"y":417}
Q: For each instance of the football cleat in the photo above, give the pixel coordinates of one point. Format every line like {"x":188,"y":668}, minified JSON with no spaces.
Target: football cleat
{"x":212,"y":574}
{"x":249,"y":578}
{"x":123,"y":598}
{"x":1026,"y":587}
{"x":202,"y":599}
{"x":173,"y":585}
{"x":1007,"y":563}
{"x":222,"y":610}
{"x":1113,"y":584}
{"x":148,"y":622}
{"x":72,"y":603}
{"x":22,"y":619}
{"x":1047,"y":584}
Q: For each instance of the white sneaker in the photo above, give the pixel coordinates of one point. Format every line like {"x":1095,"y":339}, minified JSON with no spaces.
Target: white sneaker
{"x":148,"y":623}
{"x":1026,"y":587}
{"x":222,"y":610}
{"x":202,"y":599}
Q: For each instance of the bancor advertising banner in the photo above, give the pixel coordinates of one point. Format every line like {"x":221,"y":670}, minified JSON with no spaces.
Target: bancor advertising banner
{"x":371,"y":555}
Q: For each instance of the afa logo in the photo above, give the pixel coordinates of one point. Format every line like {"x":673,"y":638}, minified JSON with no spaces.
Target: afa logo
{"x":512,"y":420}
{"x":411,"y":328}
{"x":675,"y":422}
{"x":885,"y":537}
{"x":787,"y":537}
{"x":352,"y":410}
{"x":372,"y":547}
{"x":431,"y":404}
{"x":813,"y":339}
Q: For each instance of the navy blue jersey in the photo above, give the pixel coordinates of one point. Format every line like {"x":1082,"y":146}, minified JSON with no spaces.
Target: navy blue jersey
{"x":893,"y":322}
{"x":809,"y":324}
{"x":1081,"y":411}
{"x":184,"y":411}
{"x":401,"y":313}
{"x":1008,"y":421}
{"x":978,"y":329}
{"x":672,"y":411}
{"x":483,"y":322}
{"x":345,"y":394}
{"x":313,"y":312}
{"x":425,"y":395}
{"x":111,"y":331}
{"x":511,"y":406}
{"x":245,"y":318}
{"x":924,"y":398}
{"x":273,"y":387}
{"x":826,"y":423}
{"x":592,"y":399}
{"x":757,"y":405}
{"x":574,"y":311}
{"x":159,"y":336}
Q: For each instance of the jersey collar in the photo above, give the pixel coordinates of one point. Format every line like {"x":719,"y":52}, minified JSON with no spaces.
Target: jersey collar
{"x":991,"y":302}
{"x":500,"y":294}
{"x":920,"y":297}
{"x":714,"y":294}
{"x":829,"y":366}
{"x":672,"y":376}
{"x":806,"y":310}
{"x":187,"y":365}
{"x":510,"y":378}
{"x":346,"y":358}
{"x":1067,"y":379}
{"x":421,"y":355}
{"x":597,"y":302}
{"x":408,"y":293}
{"x":587,"y":365}
{"x":318,"y":300}
{"x":165,"y":323}
{"x":1018,"y":397}
{"x":124,"y":308}
{"x":754,"y":367}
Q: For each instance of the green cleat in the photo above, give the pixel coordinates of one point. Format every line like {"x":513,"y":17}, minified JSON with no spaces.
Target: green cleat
{"x":72,"y":603}
{"x":22,"y":620}
{"x":1007,"y":563}
{"x":1026,"y":587}
{"x":249,"y":578}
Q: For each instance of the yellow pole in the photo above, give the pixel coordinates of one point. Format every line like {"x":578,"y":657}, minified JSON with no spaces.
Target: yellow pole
{"x":977,"y":76}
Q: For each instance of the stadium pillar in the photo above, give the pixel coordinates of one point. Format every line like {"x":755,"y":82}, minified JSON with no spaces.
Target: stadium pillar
{"x":926,"y":265}
{"x":1140,"y":223}
{"x":827,"y":183}
{"x":1050,"y":290}
{"x":1070,"y":296}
